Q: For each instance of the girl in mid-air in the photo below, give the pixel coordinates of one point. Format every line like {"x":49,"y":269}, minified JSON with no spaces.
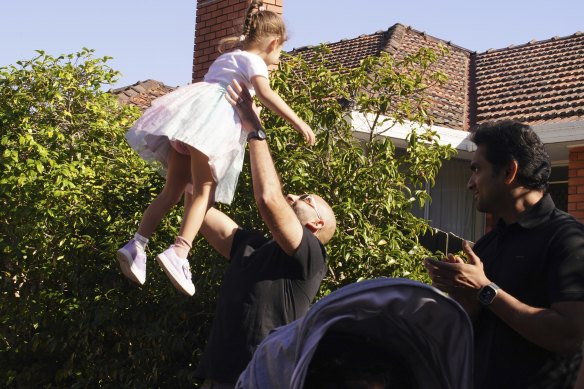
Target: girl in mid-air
{"x":195,"y":135}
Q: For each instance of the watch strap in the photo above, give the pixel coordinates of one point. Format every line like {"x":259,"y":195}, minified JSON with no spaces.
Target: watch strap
{"x":257,"y":134}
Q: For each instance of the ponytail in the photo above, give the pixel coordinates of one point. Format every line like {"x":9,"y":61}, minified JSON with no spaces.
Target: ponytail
{"x":229,"y":43}
{"x":258,"y":24}
{"x":251,"y":17}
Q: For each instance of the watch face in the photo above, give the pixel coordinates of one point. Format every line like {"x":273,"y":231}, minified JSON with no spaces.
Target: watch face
{"x":487,"y":294}
{"x":259,"y":134}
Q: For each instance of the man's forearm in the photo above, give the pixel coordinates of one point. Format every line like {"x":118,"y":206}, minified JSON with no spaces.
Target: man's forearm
{"x":549,"y":328}
{"x":267,"y":189}
{"x":266,"y":183}
{"x":273,"y":206}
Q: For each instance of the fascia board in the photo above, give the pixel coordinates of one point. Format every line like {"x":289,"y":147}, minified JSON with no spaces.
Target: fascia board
{"x":447,"y":136}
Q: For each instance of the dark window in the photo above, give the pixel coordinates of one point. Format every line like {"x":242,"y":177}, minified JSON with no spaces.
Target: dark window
{"x":559,"y":193}
{"x":558,"y":188}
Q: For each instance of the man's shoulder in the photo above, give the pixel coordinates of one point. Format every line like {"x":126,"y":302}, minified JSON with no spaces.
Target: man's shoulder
{"x":559,"y":216}
{"x":245,"y":237}
{"x":255,"y":239}
{"x":311,"y":239}
{"x":565,"y":227}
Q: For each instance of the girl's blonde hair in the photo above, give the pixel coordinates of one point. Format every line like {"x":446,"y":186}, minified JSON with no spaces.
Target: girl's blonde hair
{"x":259,"y":23}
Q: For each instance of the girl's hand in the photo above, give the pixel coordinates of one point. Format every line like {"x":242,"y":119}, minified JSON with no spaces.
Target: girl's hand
{"x":305,"y":130}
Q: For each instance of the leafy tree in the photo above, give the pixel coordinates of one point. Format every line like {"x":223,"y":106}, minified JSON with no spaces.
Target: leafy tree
{"x":72,"y":191}
{"x":372,"y":185}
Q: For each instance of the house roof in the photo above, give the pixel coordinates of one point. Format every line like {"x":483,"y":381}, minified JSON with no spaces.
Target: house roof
{"x":538,"y":82}
{"x":448,"y":103}
{"x":142,"y":93}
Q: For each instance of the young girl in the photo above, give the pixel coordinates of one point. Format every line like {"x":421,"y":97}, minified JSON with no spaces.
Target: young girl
{"x":195,"y":134}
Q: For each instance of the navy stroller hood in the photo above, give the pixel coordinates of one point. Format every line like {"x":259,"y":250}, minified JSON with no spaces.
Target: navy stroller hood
{"x":432,"y":331}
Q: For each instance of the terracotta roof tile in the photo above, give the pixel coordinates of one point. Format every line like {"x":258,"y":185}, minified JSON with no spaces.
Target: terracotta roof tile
{"x":142,"y":93}
{"x":349,"y":52}
{"x":448,"y":103}
{"x":536,"y":83}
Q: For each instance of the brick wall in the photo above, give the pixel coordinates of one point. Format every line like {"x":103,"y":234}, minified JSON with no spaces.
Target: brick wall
{"x":576,"y":183}
{"x":217,"y":19}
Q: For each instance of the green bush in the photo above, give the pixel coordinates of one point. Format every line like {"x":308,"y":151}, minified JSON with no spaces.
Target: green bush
{"x":371,"y":185}
{"x":72,"y":192}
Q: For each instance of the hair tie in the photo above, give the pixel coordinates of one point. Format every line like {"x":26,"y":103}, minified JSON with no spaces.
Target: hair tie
{"x":241,"y":38}
{"x":262,"y":8}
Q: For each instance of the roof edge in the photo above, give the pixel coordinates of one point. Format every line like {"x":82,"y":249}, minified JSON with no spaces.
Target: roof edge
{"x":394,"y":36}
{"x":533,"y":42}
{"x":148,"y":81}
{"x":448,"y":43}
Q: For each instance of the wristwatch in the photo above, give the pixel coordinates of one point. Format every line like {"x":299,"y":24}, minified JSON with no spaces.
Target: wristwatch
{"x":488,"y":293}
{"x":258,"y":134}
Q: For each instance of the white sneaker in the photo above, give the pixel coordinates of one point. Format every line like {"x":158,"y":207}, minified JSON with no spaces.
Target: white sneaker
{"x":132,"y":258}
{"x":178,"y":270}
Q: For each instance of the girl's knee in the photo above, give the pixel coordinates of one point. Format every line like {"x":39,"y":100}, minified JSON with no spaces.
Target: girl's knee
{"x":204,"y":193}
{"x":171,"y":196}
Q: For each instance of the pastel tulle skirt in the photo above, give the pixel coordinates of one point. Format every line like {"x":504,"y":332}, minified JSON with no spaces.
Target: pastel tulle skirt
{"x":200,"y":116}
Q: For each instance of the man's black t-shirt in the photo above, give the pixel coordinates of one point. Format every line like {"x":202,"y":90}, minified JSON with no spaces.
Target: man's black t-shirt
{"x":540,"y":261}
{"x":263,"y":288}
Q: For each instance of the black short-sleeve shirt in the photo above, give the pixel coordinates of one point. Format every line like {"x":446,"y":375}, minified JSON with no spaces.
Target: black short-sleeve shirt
{"x":540,"y":261}
{"x":263,"y":288}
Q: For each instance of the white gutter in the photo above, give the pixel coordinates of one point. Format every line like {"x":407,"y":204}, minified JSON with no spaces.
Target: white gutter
{"x":398,"y":132}
{"x":558,"y":137}
{"x":560,"y":132}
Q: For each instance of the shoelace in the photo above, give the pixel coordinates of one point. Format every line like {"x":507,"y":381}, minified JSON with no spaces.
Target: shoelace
{"x":139,"y":250}
{"x":187,"y":269}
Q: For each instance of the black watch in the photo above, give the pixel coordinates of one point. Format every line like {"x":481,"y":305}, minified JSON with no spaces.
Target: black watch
{"x":258,"y":134}
{"x":488,"y":293}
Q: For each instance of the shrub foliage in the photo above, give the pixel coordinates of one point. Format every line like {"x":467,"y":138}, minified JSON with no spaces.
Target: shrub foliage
{"x":371,"y":185}
{"x":72,"y":192}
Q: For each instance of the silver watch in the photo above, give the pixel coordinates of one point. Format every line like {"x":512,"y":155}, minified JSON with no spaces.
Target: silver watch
{"x":258,"y":134}
{"x":488,"y":293}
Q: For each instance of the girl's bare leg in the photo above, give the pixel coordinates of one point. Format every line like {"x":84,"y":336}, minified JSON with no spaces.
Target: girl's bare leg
{"x":132,"y":257}
{"x":177,"y":177}
{"x":201,"y":200}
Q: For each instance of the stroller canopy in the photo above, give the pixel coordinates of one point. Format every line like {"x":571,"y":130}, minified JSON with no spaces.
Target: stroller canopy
{"x":429,"y":331}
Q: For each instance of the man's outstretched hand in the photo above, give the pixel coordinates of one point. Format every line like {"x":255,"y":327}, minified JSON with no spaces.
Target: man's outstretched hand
{"x":243,"y":103}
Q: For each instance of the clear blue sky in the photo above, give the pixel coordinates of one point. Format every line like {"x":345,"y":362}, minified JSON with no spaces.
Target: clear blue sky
{"x":154,"y":39}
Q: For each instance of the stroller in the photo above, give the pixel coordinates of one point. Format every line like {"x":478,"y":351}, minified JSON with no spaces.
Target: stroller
{"x":390,"y":331}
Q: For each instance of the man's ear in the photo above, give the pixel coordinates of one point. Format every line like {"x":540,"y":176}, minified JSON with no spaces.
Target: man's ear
{"x":511,"y":172}
{"x":315,"y":225}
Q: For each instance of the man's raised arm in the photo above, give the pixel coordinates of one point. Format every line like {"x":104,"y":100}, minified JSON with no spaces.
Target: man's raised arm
{"x":273,"y":206}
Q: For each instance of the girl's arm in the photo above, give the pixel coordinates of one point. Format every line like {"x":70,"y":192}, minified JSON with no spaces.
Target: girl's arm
{"x":274,"y":102}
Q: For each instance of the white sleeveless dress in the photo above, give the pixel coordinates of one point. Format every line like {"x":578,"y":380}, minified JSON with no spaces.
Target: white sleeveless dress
{"x":199,"y":115}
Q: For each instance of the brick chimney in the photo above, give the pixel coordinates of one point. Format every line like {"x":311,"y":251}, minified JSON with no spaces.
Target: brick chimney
{"x":576,"y":183}
{"x":217,"y":19}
